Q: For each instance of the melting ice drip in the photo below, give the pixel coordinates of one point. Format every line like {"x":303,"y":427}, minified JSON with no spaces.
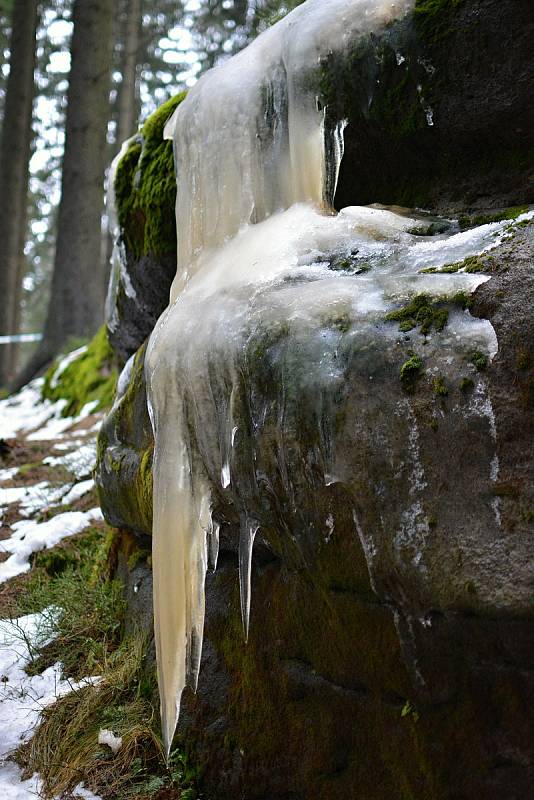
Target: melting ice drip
{"x":261,"y":253}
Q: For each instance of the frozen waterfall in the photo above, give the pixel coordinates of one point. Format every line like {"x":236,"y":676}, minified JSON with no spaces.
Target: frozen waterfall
{"x":268,"y":277}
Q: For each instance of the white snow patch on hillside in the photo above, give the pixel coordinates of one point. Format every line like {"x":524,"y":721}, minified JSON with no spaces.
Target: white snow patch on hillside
{"x":80,"y":462}
{"x":29,"y":537}
{"x":22,"y":699}
{"x":27,"y":412}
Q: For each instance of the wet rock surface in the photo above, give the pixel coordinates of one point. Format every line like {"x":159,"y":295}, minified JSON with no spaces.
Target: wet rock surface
{"x":391,"y":646}
{"x":439,"y":108}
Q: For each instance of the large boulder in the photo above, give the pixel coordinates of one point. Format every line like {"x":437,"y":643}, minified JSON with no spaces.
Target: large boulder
{"x":439,"y":108}
{"x":391,"y":647}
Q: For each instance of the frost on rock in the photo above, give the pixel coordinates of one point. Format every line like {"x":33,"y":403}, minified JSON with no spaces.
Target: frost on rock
{"x":272,"y":289}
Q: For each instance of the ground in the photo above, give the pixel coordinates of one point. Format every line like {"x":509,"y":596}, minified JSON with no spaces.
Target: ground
{"x":74,"y":676}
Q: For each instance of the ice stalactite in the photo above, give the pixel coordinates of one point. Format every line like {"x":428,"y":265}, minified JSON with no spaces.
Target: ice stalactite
{"x":272,"y":292}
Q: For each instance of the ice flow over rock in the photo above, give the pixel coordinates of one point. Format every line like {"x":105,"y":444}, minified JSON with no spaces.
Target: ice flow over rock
{"x":273,"y":286}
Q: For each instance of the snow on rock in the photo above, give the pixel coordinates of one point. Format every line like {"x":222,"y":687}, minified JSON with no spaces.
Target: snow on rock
{"x":29,"y":537}
{"x":64,"y":363}
{"x":22,"y":698}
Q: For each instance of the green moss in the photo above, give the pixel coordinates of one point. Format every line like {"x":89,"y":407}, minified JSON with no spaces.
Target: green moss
{"x":471,"y":264}
{"x":440,"y":387}
{"x":522,"y":360}
{"x":410,"y":371}
{"x":484,"y":219}
{"x":479,"y":360}
{"x":92,"y":377}
{"x":433,"y":17}
{"x":410,"y":711}
{"x":145,"y":188}
{"x":421,"y":312}
{"x":466,"y":385}
{"x":462,"y":299}
{"x":397,"y":105}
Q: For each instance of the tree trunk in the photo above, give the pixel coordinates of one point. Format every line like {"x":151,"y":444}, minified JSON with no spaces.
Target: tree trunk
{"x":127,"y":104}
{"x":76,"y":304}
{"x":14,"y":160}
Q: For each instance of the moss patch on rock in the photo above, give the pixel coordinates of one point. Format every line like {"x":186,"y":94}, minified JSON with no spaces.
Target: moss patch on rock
{"x":145,"y":188}
{"x":471,"y":264}
{"x":469,"y":221}
{"x":433,"y":17}
{"x":91,"y":377}
{"x":125,"y":451}
{"x":421,"y":312}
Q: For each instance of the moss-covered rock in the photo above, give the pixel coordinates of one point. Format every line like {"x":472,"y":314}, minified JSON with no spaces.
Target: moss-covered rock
{"x":145,"y":195}
{"x":124,"y":453}
{"x":90,"y":377}
{"x":145,"y":188}
{"x":438,"y":108}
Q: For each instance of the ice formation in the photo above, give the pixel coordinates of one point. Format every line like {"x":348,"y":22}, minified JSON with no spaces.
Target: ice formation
{"x":267,"y":274}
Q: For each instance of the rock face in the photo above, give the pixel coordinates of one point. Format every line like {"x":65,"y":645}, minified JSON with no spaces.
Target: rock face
{"x":442,"y":117}
{"x":360,"y":683}
{"x":391,"y":647}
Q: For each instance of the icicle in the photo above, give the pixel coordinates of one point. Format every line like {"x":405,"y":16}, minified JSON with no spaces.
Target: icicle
{"x":181,"y":511}
{"x":213,"y":545}
{"x":262,"y":133}
{"x":249,"y":529}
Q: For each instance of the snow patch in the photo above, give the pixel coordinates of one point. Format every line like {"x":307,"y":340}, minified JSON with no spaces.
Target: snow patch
{"x":80,"y":462}
{"x":22,"y":698}
{"x":29,"y":537}
{"x":109,"y":738}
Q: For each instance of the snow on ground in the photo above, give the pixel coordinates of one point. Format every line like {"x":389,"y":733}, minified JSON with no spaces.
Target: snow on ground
{"x":80,"y":461}
{"x":41,"y":420}
{"x":42,"y":495}
{"x":22,"y":698}
{"x":26,"y":417}
{"x":29,"y":537}
{"x":7,"y":474}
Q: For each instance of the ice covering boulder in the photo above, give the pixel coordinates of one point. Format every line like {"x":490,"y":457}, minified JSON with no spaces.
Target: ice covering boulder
{"x":341,"y":406}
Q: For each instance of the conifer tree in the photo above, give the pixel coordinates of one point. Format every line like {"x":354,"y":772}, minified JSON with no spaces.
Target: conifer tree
{"x":14,"y":161}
